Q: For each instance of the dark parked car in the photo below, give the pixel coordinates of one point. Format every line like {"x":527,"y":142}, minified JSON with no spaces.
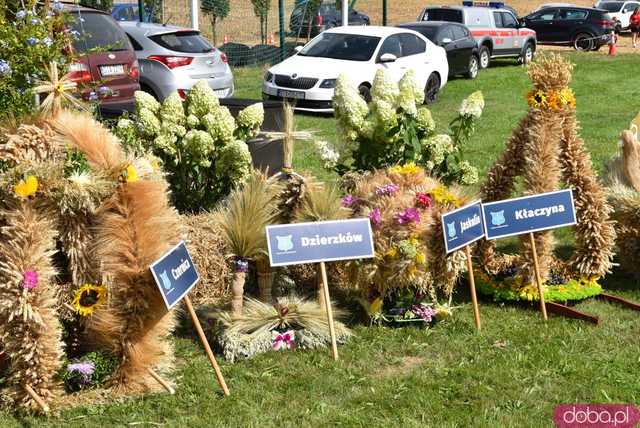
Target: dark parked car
{"x":328,"y":16}
{"x":129,"y":12}
{"x":583,"y":28}
{"x":457,"y":41}
{"x":107,"y":69}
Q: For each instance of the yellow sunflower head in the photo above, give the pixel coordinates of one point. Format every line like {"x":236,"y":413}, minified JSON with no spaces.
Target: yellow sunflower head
{"x":26,"y":187}
{"x":537,"y":99}
{"x":88,"y":297}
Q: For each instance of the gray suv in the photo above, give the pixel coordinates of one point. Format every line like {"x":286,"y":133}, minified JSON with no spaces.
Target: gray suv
{"x":174,"y":59}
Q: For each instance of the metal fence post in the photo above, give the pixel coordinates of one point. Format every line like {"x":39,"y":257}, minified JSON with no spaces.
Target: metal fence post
{"x":384,"y":13}
{"x":281,"y":19}
{"x":141,"y":10}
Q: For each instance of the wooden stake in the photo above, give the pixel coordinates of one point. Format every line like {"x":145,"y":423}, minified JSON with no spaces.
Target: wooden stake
{"x":207,"y":348}
{"x":327,"y":300}
{"x":536,"y":265}
{"x":568,"y":312}
{"x":472,"y":287}
{"x":36,"y":398}
{"x":615,"y":299}
{"x":161,"y":381}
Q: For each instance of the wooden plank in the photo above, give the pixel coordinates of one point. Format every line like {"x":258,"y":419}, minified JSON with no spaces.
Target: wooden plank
{"x":568,"y":312}
{"x":615,"y":299}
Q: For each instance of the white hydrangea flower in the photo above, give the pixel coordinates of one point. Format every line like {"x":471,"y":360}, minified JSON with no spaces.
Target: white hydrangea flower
{"x":385,"y":114}
{"x":384,"y":88}
{"x":439,"y":147}
{"x":172,"y":110}
{"x":125,"y":124}
{"x":201,"y":99}
{"x":469,"y":173}
{"x":410,"y":95}
{"x":424,"y":120}
{"x":166,"y":143}
{"x":199,"y":144}
{"x":148,"y":123}
{"x":349,"y":105}
{"x":193,"y":121}
{"x":328,"y":154}
{"x":251,"y":117}
{"x":220,"y":124}
{"x":234,"y":162}
{"x":472,"y":105}
{"x":146,"y":101}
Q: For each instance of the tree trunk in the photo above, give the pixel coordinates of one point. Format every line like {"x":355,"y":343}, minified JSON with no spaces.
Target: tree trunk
{"x":213,"y":29}
{"x":237,"y":289}
{"x":265,"y":281}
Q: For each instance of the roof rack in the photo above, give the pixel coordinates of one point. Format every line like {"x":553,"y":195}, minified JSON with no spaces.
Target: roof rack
{"x":491,"y":4}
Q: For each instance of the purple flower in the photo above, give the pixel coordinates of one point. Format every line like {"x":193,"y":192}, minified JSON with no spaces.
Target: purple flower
{"x":21,"y":14}
{"x":47,"y":42}
{"x":409,"y":215}
{"x":30,"y":280}
{"x":5,"y":68}
{"x":349,"y":200}
{"x":240,"y":265}
{"x":425,"y":312}
{"x":85,"y":369}
{"x":32,"y":41}
{"x":93,"y":96}
{"x":375,"y":217}
{"x":57,"y":5}
{"x":389,"y":189}
{"x":35,"y":21}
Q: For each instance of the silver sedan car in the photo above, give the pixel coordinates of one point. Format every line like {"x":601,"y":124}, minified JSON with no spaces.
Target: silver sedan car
{"x":174,"y":59}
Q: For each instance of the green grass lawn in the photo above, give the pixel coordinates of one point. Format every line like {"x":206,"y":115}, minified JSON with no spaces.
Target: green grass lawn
{"x":513,"y":374}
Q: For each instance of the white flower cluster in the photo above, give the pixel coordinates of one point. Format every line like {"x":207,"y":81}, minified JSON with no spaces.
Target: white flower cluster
{"x":473,"y":105}
{"x":439,"y":146}
{"x":327,"y":153}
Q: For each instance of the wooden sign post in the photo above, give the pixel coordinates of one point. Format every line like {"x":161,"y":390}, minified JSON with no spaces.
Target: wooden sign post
{"x":175,"y":274}
{"x":320,"y":242}
{"x":526,"y":215}
{"x":461,"y":228}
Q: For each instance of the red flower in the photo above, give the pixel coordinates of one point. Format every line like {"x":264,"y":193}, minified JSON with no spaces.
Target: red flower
{"x":423,"y":200}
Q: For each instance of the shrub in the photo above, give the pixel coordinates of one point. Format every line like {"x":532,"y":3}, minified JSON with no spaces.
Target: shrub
{"x":199,"y":143}
{"x":394,"y":128}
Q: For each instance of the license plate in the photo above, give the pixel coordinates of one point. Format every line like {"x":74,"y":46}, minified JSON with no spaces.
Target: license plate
{"x":111,"y":70}
{"x":220,"y":93}
{"x":296,"y":95}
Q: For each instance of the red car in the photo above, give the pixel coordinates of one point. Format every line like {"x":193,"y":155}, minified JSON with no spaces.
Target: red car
{"x":107,"y":69}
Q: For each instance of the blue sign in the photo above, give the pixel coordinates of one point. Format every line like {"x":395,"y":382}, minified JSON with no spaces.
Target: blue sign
{"x":322,"y":241}
{"x":529,"y":214}
{"x":463,"y":226}
{"x":175,"y":274}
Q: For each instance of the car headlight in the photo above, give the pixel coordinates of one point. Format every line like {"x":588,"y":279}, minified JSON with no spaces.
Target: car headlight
{"x":268,"y":76}
{"x":328,"y":83}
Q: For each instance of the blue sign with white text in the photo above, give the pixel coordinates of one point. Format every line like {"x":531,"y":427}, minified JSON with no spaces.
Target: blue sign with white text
{"x":175,"y":274}
{"x":529,"y":214}
{"x":321,"y":241}
{"x":463,"y":226}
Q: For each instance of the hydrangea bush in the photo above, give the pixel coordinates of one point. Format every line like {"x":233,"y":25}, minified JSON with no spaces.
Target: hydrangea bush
{"x":395,"y":128}
{"x":201,"y":145}
{"x":31,"y":37}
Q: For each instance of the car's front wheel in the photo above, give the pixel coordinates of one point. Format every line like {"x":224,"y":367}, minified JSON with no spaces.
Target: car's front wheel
{"x":485,"y":57}
{"x":583,"y":42}
{"x":527,"y":53}
{"x":474,"y":66}
{"x":431,"y":88}
{"x":365,"y":92}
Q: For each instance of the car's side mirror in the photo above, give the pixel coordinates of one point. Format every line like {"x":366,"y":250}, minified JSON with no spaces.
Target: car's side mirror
{"x":388,"y":57}
{"x":445,"y":41}
{"x":298,"y":49}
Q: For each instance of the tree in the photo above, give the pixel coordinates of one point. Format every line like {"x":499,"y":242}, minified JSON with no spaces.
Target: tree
{"x":215,"y":10}
{"x":98,"y":4}
{"x":261,"y":9}
{"x":313,"y":6}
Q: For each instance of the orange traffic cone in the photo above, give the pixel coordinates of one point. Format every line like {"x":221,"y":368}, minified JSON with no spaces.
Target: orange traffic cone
{"x":612,"y":46}
{"x":271,"y":40}
{"x":226,"y":39}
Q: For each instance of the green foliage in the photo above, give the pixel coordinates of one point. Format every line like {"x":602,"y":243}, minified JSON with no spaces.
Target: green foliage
{"x":104,"y":364}
{"x":216,"y":10}
{"x":199,"y":143}
{"x":394,"y":128}
{"x":76,"y":162}
{"x":261,"y":9}
{"x":28,"y":43}
{"x":105,"y":5}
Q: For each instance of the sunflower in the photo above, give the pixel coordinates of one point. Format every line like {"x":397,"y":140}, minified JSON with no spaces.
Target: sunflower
{"x":568,"y":98}
{"x":26,"y":187}
{"x":407,"y":169}
{"x":88,"y":298}
{"x":554,"y":100}
{"x":537,"y":99}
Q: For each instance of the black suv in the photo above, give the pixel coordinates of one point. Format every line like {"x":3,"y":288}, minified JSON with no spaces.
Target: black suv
{"x":328,"y":16}
{"x":583,"y":28}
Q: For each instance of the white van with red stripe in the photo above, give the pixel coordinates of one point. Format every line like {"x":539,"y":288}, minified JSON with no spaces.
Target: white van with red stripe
{"x":495,"y":27}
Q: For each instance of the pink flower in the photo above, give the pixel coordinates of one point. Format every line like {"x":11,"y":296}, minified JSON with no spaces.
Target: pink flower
{"x":409,"y":215}
{"x":423,"y":200}
{"x":375,"y":217}
{"x":284,"y":340}
{"x":30,"y":280}
{"x":387,"y":190}
{"x":349,"y":200}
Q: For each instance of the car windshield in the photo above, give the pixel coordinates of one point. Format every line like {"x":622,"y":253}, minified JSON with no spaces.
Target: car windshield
{"x":613,"y":6}
{"x":428,"y":32}
{"x":183,"y":41}
{"x":96,"y":31}
{"x":441,"y":14}
{"x":352,"y":47}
